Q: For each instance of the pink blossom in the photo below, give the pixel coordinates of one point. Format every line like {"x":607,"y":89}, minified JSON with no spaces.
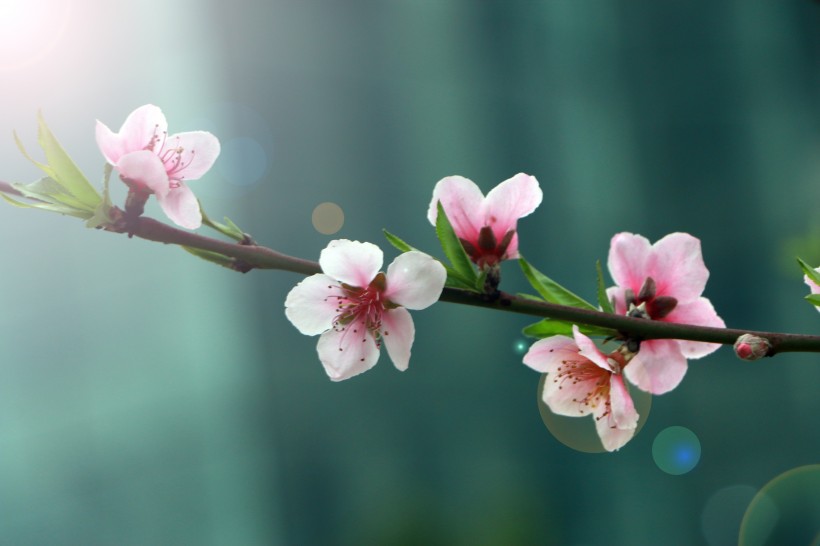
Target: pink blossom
{"x":486,"y":225}
{"x":150,"y":161}
{"x":662,"y":282}
{"x":355,"y":307}
{"x":581,"y":380}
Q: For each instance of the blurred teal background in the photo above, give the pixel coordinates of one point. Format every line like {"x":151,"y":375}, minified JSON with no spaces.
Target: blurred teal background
{"x":147,"y":397}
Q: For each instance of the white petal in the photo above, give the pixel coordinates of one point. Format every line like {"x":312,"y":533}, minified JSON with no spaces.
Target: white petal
{"x":351,"y":262}
{"x":345,"y":354}
{"x":398,"y":332}
{"x":415,"y":280}
{"x":310,"y":305}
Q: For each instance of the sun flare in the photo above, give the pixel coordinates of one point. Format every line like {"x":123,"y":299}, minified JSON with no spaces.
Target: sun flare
{"x":30,"y":30}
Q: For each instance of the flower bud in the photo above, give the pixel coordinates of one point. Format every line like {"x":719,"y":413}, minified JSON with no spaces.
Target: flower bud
{"x":751,"y":347}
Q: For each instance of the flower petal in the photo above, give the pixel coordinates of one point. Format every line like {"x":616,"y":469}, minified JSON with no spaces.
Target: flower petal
{"x":462,"y":200}
{"x":398,"y":332}
{"x":310,"y":305}
{"x":813,"y":287}
{"x":506,"y":203}
{"x":181,"y":206}
{"x":415,"y":280}
{"x":612,"y":437}
{"x":569,"y":396}
{"x":351,"y":262}
{"x":621,"y":405}
{"x":701,"y":313}
{"x":588,"y":349}
{"x":676,"y":265}
{"x":345,"y":354}
{"x":199,"y":151}
{"x":627,"y":262}
{"x":136,"y":133}
{"x":144,"y":171}
{"x":617,"y":293}
{"x":658,"y":367}
{"x":549,"y":354}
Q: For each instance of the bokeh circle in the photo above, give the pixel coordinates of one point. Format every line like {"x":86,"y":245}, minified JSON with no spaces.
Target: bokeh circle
{"x":785,"y":511}
{"x":676,"y":450}
{"x":328,"y":218}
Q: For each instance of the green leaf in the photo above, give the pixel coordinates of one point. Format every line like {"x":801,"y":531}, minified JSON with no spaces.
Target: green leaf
{"x":809,"y":271}
{"x":603,"y":300}
{"x":101,"y":213}
{"x":229,"y":229}
{"x":53,"y":207}
{"x":550,"y":290}
{"x":396,"y":242}
{"x":453,"y":249}
{"x":813,"y":299}
{"x":64,"y":171}
{"x":47,"y":195}
{"x":214,"y":257}
{"x":551,"y":327}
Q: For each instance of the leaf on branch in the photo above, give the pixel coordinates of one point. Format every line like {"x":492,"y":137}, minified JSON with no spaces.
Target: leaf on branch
{"x":813,"y":275}
{"x":101,"y":213}
{"x":550,"y":290}
{"x":215,"y":257}
{"x":813,"y":299}
{"x":47,"y":195}
{"x":229,"y":229}
{"x":397,"y":242}
{"x":603,"y":300}
{"x":551,"y":327}
{"x":453,"y":249}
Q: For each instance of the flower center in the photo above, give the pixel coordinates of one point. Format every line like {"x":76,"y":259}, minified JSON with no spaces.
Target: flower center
{"x":596,"y":379}
{"x":487,"y":250}
{"x":359,"y":310}
{"x":171,"y":156}
{"x":647,"y":304}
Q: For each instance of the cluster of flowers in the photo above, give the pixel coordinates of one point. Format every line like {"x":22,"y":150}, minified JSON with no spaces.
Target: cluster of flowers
{"x":354,"y":307}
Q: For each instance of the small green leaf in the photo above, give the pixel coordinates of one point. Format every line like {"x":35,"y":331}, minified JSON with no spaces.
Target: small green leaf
{"x":481,"y":280}
{"x":229,"y":229}
{"x":64,"y":171}
{"x":215,"y":257}
{"x":101,"y":213}
{"x":551,"y":327}
{"x":603,"y":300}
{"x":396,"y":242}
{"x":47,"y":195}
{"x":813,"y":299}
{"x":453,"y":249}
{"x":550,"y":290}
{"x":52,"y":207}
{"x":809,"y":271}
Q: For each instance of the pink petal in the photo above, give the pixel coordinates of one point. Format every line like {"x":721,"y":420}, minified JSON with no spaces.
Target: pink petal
{"x":506,"y":203}
{"x":415,"y":280}
{"x":310,"y":306}
{"x":588,"y":349}
{"x":462,"y":201}
{"x":351,"y":262}
{"x":144,"y":170}
{"x":566,"y":396}
{"x":398,"y":332}
{"x":815,"y":289}
{"x":621,"y":405}
{"x":181,"y":206}
{"x":612,"y":437}
{"x":658,"y":367}
{"x":617,"y":293}
{"x":200,"y":150}
{"x":627,"y":262}
{"x":676,"y":265}
{"x":549,"y":354}
{"x":136,"y":133}
{"x":700,"y":313}
{"x":345,"y":354}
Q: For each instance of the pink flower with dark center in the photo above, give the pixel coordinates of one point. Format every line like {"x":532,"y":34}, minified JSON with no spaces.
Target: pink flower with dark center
{"x":356,"y":308}
{"x":152,"y":162}
{"x":662,"y":282}
{"x":486,"y":226}
{"x":581,"y":380}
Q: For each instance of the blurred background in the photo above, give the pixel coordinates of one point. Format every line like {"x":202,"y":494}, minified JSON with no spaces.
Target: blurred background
{"x":147,"y":397}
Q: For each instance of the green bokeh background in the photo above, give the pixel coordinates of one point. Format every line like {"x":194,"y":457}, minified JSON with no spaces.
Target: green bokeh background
{"x":147,"y":397}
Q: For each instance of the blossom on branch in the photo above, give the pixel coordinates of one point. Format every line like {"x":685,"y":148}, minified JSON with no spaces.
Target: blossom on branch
{"x":486,"y":226}
{"x":661,"y":282}
{"x":152,"y":162}
{"x":355,"y":307}
{"x":581,"y":380}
